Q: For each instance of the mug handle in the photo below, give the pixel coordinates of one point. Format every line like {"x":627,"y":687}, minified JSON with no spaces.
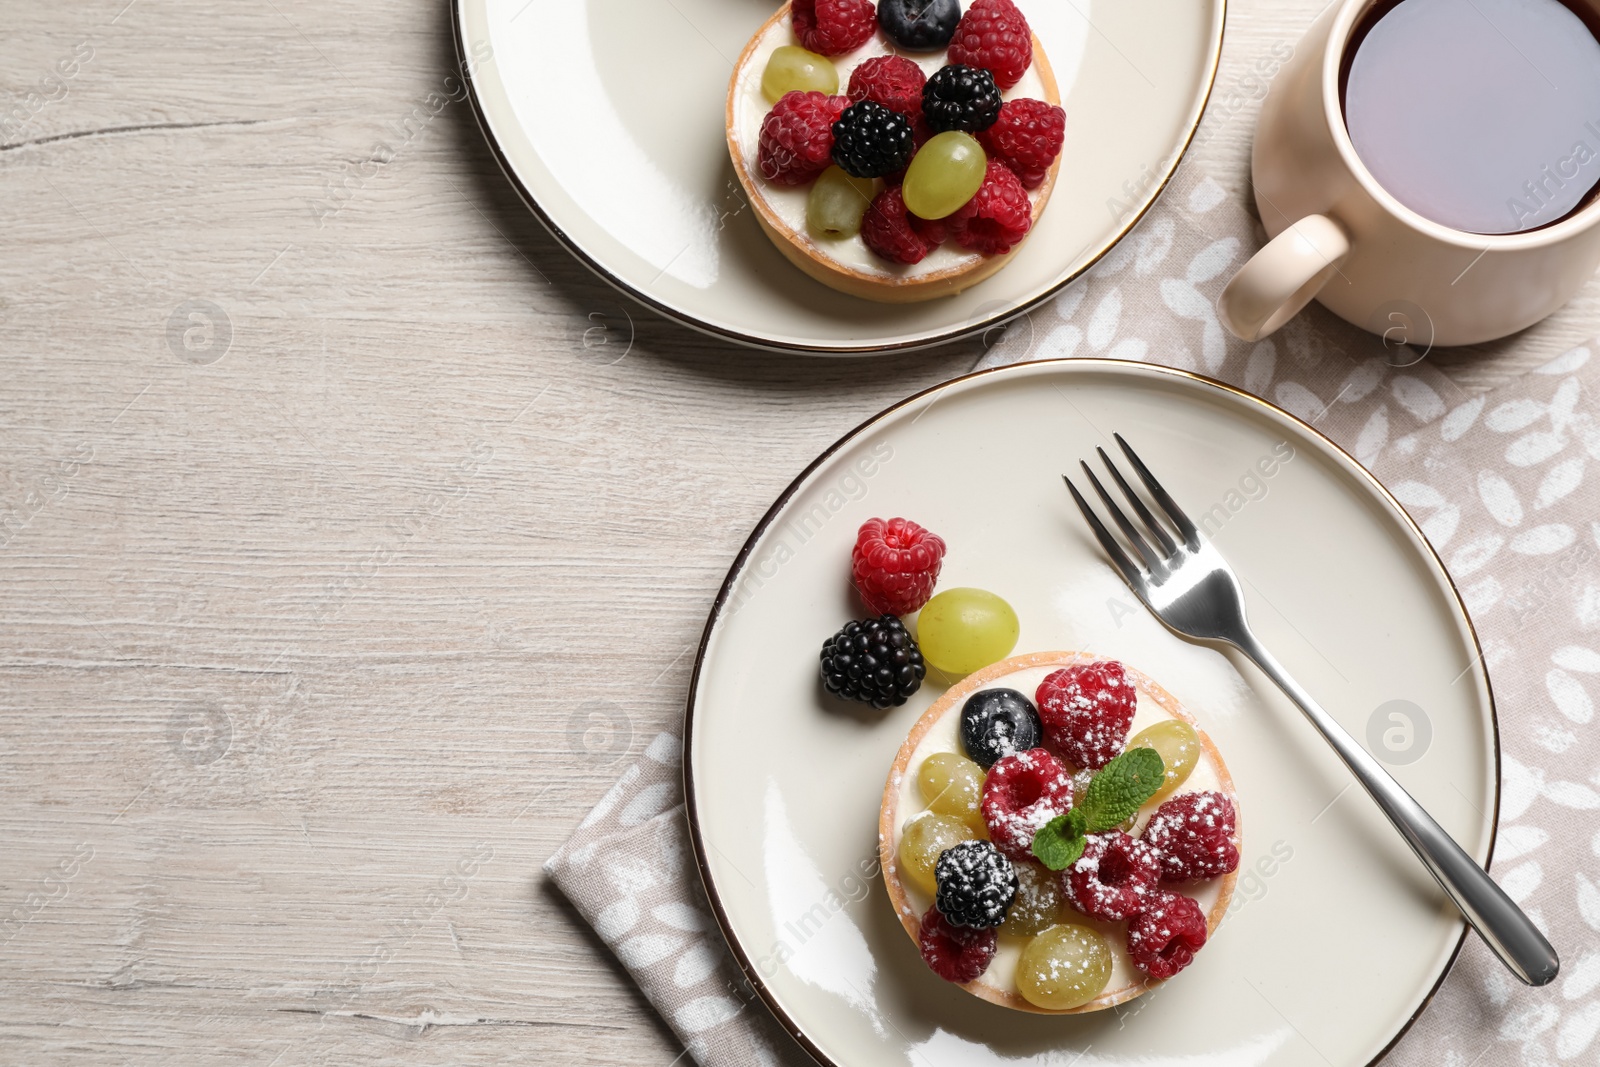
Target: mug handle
{"x":1282,"y":277}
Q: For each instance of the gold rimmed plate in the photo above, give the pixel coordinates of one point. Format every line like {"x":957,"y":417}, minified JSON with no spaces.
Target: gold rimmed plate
{"x":627,"y":166}
{"x":1335,"y":938}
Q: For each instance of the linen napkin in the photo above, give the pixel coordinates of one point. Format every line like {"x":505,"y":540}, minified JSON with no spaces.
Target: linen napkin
{"x":1504,"y":484}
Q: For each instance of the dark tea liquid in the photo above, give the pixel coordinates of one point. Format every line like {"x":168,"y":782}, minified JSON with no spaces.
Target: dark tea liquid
{"x":1482,"y":115}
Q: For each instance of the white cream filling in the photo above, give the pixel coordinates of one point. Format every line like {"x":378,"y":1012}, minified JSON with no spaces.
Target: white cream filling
{"x":789,"y":203}
{"x":944,"y":736}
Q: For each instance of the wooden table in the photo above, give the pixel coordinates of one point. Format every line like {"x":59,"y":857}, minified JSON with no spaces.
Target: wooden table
{"x":344,"y":565}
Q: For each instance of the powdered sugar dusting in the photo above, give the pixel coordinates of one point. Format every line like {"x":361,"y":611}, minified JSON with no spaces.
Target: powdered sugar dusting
{"x":943,"y":736}
{"x":1164,"y":937}
{"x":1022,"y":793}
{"x":1087,"y":711}
{"x":1195,"y":834}
{"x":1114,"y":877}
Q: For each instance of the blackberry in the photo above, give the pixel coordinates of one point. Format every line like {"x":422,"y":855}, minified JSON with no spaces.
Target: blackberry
{"x":996,"y":723}
{"x":874,"y":661}
{"x":976,"y":885}
{"x":919,"y":25}
{"x":961,"y":98}
{"x":870,"y":141}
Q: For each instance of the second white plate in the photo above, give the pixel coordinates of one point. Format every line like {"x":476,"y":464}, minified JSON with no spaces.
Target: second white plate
{"x":608,"y":117}
{"x":1336,"y":937}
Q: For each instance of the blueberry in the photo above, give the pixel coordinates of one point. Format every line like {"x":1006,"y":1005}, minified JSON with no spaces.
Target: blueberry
{"x":998,"y":722}
{"x":919,"y":25}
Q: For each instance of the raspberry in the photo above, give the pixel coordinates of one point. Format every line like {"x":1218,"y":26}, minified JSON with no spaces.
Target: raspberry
{"x":1022,"y":793}
{"x":994,"y":35}
{"x":934,"y":231}
{"x":955,"y":953}
{"x":1086,"y":712}
{"x":873,"y":661}
{"x":886,"y":229}
{"x":895,"y":564}
{"x":998,"y":215}
{"x":1164,"y":937}
{"x":1027,"y":138}
{"x":1194,"y":834}
{"x":834,"y":27}
{"x":1114,"y":876}
{"x":976,"y":885}
{"x":893,"y":81}
{"x":797,"y":137}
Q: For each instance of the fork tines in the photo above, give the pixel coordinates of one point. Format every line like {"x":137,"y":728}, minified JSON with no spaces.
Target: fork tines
{"x":1156,"y":556}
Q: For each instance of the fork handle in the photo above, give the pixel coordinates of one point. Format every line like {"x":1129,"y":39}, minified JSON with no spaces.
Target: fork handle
{"x":1495,"y":916}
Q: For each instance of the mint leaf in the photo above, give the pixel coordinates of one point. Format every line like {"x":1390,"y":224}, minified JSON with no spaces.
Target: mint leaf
{"x":1059,"y":842}
{"x":1120,"y":788}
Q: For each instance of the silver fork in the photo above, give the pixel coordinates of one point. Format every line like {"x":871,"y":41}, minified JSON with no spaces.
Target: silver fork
{"x":1191,"y":588}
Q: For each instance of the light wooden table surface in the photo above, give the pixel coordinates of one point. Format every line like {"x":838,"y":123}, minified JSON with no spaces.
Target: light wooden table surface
{"x":320,"y":634}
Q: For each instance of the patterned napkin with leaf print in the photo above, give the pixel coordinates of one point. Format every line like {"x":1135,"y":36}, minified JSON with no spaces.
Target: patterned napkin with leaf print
{"x":1507,"y":487}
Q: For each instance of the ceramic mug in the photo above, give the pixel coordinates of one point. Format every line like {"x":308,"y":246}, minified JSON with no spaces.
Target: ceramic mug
{"x":1339,"y":237}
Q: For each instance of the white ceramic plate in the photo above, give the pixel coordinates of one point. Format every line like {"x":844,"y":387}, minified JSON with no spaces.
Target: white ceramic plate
{"x":628,"y":167}
{"x":1337,"y":936}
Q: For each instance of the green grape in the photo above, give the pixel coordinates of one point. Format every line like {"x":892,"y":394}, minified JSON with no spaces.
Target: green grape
{"x":944,"y":174}
{"x":836,"y":204}
{"x":962,"y":630}
{"x":1039,"y":904}
{"x":923,"y":840}
{"x":1179,"y":748}
{"x":952,"y":785}
{"x":1065,"y":967}
{"x":791,"y":68}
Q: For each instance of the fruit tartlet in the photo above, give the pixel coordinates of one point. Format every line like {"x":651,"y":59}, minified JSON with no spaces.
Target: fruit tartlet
{"x":900,"y":151}
{"x":1057,"y":835}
